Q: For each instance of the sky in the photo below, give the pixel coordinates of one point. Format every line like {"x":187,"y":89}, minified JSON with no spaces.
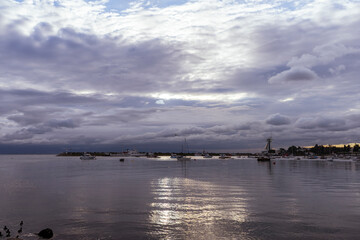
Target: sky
{"x":224,"y":74}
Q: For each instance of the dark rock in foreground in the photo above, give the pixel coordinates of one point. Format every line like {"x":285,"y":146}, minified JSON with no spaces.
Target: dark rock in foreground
{"x":46,"y":233}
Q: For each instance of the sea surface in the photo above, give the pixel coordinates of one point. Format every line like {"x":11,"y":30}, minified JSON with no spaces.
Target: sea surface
{"x":166,"y":199}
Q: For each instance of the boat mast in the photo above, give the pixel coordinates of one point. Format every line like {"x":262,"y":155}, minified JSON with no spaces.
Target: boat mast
{"x":186,"y":146}
{"x":268,"y":144}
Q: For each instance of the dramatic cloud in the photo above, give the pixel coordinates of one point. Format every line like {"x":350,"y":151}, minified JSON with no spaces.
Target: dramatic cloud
{"x":296,"y":74}
{"x":150,"y":73}
{"x":29,"y":133}
{"x":278,"y":119}
{"x":328,"y":123}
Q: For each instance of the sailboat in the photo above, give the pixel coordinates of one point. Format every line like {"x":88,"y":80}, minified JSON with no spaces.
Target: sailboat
{"x":265,"y":156}
{"x":182,"y":157}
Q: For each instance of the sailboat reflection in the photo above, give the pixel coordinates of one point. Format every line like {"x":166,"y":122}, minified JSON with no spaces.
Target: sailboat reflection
{"x":184,"y":168}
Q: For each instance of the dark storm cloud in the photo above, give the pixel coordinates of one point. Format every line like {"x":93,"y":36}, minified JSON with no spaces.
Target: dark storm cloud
{"x":49,"y":126}
{"x":28,"y":107}
{"x":329,"y":123}
{"x":231,"y":129}
{"x":295,"y":74}
{"x":131,"y":116}
{"x":278,"y":119}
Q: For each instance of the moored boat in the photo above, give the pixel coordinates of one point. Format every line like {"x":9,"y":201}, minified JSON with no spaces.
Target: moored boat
{"x":87,"y":156}
{"x":173,"y":155}
{"x":266,"y":155}
{"x":263,"y":158}
{"x":183,"y":158}
{"x":224,"y":156}
{"x":129,"y":153}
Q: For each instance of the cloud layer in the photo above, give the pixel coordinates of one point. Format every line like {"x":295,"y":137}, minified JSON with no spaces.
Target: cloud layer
{"x":147,"y":75}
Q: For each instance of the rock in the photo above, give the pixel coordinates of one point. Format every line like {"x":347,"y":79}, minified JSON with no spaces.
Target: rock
{"x":46,"y":233}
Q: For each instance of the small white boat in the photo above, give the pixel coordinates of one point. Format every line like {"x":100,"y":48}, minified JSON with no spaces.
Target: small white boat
{"x":224,"y":156}
{"x":129,"y":153}
{"x":87,"y":156}
{"x":173,"y":155}
{"x":207,"y":156}
{"x":183,"y":158}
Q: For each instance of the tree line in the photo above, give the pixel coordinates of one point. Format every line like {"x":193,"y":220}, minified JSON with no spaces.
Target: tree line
{"x":320,"y":150}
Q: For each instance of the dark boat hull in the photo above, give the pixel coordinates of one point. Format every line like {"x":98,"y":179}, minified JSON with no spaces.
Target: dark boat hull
{"x":263,"y":159}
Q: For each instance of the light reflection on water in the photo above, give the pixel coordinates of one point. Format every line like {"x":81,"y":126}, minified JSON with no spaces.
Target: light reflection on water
{"x":163,"y":199}
{"x":194,"y":207}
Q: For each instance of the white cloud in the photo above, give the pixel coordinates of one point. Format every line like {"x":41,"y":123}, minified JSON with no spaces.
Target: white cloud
{"x":322,"y":55}
{"x":160,"y":101}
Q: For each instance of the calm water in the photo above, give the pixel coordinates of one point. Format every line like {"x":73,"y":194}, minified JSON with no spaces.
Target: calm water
{"x":165,"y":199}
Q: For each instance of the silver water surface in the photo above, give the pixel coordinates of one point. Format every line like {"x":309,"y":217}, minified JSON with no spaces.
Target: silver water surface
{"x":164,"y":199}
